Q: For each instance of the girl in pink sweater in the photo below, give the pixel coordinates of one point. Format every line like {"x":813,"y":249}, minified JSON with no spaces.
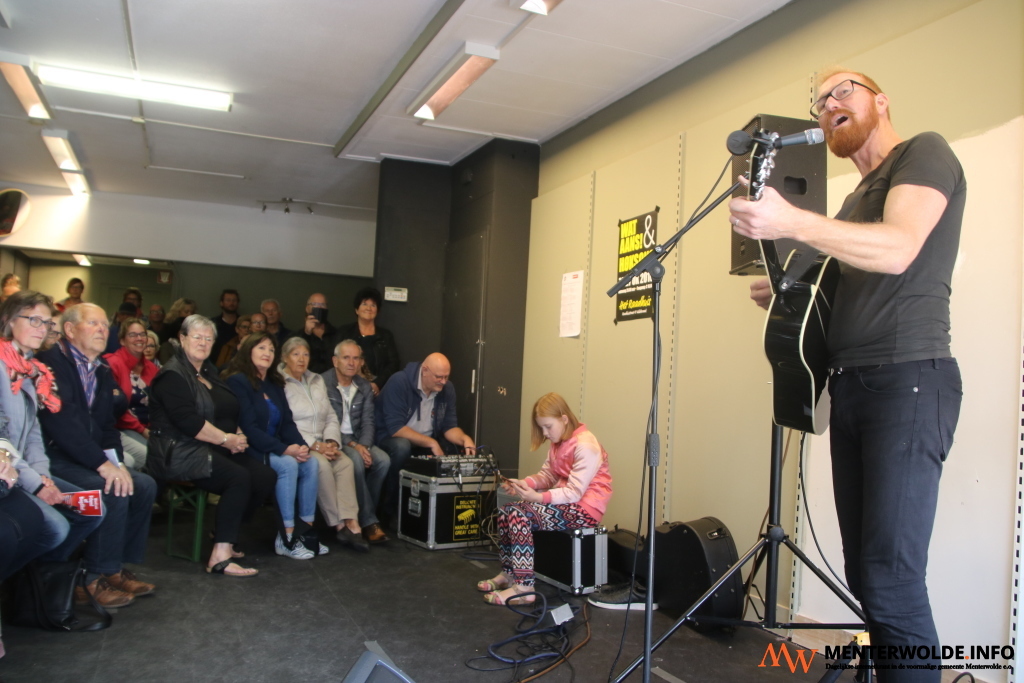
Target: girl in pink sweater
{"x":571,"y":491}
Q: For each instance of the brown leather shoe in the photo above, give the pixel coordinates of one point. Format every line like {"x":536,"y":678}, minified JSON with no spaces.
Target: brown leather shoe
{"x":105,"y":594}
{"x":126,"y":581}
{"x":375,"y":534}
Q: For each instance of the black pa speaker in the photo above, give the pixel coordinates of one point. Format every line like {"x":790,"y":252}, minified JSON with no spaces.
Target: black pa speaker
{"x":799,"y":176}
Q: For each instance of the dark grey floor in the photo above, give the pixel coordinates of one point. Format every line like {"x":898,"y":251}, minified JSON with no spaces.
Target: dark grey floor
{"x":308,"y":621}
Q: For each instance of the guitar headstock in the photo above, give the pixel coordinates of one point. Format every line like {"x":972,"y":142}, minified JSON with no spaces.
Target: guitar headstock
{"x":762,"y":162}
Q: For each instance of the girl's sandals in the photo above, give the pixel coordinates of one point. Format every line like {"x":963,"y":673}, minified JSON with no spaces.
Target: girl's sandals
{"x":496,"y":584}
{"x":513,"y":595}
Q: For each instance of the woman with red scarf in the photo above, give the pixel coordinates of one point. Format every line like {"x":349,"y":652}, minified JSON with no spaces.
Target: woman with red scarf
{"x":134,"y":373}
{"x":25,"y":319}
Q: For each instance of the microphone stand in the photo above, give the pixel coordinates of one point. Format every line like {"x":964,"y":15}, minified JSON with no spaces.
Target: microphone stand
{"x":653,"y":266}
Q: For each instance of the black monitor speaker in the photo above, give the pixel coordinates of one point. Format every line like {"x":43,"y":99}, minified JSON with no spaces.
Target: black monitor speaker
{"x":799,"y":176}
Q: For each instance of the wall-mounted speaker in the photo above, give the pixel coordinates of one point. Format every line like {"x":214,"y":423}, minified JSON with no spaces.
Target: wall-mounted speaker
{"x":14,"y":209}
{"x":799,"y":176}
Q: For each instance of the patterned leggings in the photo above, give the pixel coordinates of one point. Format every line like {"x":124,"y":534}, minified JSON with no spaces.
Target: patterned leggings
{"x":518,"y":521}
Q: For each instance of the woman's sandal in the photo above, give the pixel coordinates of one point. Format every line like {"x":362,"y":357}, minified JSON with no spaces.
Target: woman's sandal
{"x":220,"y":568}
{"x":490,"y":585}
{"x":517,"y":598}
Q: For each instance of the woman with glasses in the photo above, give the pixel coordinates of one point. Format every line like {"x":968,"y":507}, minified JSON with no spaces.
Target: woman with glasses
{"x":195,"y":437}
{"x":26,"y":385}
{"x":267,"y":421}
{"x":75,"y":289}
{"x":133,"y":373}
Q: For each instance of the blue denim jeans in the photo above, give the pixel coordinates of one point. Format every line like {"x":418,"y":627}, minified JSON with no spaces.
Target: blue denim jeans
{"x":369,"y":480}
{"x":65,"y":531}
{"x":891,"y":429}
{"x":299,"y":479}
{"x":121,"y":536}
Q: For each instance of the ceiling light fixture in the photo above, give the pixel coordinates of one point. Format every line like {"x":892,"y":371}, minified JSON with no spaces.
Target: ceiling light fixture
{"x":458,"y":74}
{"x":141,"y":261}
{"x":82,"y":259}
{"x":538,"y":6}
{"x":60,"y":149}
{"x":134,"y":88}
{"x":76,"y":182}
{"x":264,"y":209}
{"x":310,"y":209}
{"x":192,"y":170}
{"x":26,"y":87}
{"x":287,"y":208}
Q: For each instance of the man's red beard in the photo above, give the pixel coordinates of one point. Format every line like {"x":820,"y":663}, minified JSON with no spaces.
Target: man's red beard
{"x":851,"y":136}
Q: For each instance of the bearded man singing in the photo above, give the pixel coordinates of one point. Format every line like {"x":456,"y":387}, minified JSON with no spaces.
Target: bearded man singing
{"x":894,"y":386}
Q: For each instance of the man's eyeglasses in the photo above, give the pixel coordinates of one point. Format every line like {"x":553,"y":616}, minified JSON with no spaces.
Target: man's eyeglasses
{"x":838,"y":93}
{"x":199,"y":337}
{"x":36,"y":321}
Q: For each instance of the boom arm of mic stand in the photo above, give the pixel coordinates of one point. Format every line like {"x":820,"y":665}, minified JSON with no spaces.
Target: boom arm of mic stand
{"x":662,"y":250}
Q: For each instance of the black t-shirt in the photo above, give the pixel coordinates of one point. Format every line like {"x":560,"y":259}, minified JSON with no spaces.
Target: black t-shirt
{"x":880,"y":318}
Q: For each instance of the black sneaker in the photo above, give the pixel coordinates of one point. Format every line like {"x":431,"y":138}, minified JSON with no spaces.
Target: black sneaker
{"x":620,"y":598}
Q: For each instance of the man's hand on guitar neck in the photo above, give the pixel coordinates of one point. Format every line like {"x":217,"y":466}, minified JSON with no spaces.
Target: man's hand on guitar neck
{"x":763,"y":219}
{"x":761,"y":292}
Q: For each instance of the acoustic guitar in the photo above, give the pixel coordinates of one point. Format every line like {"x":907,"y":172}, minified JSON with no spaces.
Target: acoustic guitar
{"x":797,"y":325}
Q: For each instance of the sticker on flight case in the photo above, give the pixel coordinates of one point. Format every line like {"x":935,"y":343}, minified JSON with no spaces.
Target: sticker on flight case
{"x":466,"y":520}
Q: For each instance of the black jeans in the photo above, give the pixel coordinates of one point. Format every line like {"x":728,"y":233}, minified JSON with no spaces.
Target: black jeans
{"x":891,"y":429}
{"x":243,"y":484}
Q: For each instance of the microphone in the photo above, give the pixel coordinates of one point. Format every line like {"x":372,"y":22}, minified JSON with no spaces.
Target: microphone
{"x":740,"y":142}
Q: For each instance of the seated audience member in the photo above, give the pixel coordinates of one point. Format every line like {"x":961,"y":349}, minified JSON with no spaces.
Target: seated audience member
{"x":84,"y":447}
{"x":318,"y":424}
{"x":258,"y":323}
{"x":124,"y":312}
{"x":74,"y":289}
{"x":352,"y":400}
{"x":266,"y":421}
{"x":318,"y":333}
{"x":416,"y":412}
{"x":380,"y":355}
{"x":133,"y":295}
{"x":226,"y":321}
{"x":179,"y":310}
{"x":25,"y":319}
{"x":271,"y":310}
{"x":571,"y":491}
{"x":196,"y":410}
{"x":22,"y":529}
{"x":227,"y":351}
{"x":156,"y":318}
{"x":133,"y":374}
{"x":152,"y":347}
{"x":10,"y":284}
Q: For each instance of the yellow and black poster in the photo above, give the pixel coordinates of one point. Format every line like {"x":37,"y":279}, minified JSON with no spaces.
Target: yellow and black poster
{"x":637,"y":236}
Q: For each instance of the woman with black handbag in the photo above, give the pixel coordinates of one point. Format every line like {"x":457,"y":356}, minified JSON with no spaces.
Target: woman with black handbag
{"x":194,"y":436}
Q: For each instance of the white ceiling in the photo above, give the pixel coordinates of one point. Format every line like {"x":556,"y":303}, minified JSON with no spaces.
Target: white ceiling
{"x":301,"y":72}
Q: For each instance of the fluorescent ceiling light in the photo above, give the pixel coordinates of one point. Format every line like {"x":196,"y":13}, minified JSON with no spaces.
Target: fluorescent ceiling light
{"x":457,"y":75}
{"x":60,"y":149}
{"x":76,"y":181}
{"x":82,"y":259}
{"x":24,"y":84}
{"x":190,"y":170}
{"x":539,"y":6}
{"x":134,"y":88}
{"x":141,"y":261}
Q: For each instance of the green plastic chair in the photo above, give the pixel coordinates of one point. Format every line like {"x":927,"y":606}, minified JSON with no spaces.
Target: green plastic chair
{"x":184,"y":496}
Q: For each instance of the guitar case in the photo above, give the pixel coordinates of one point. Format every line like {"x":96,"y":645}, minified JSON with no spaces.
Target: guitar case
{"x":689,"y":558}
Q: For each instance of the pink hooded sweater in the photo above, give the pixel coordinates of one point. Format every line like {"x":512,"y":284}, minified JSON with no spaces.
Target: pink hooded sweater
{"x":576,"y":471}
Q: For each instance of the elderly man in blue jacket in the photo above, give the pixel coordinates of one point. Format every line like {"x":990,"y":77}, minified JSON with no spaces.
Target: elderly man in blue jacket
{"x":84,"y":447}
{"x":416,"y":414}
